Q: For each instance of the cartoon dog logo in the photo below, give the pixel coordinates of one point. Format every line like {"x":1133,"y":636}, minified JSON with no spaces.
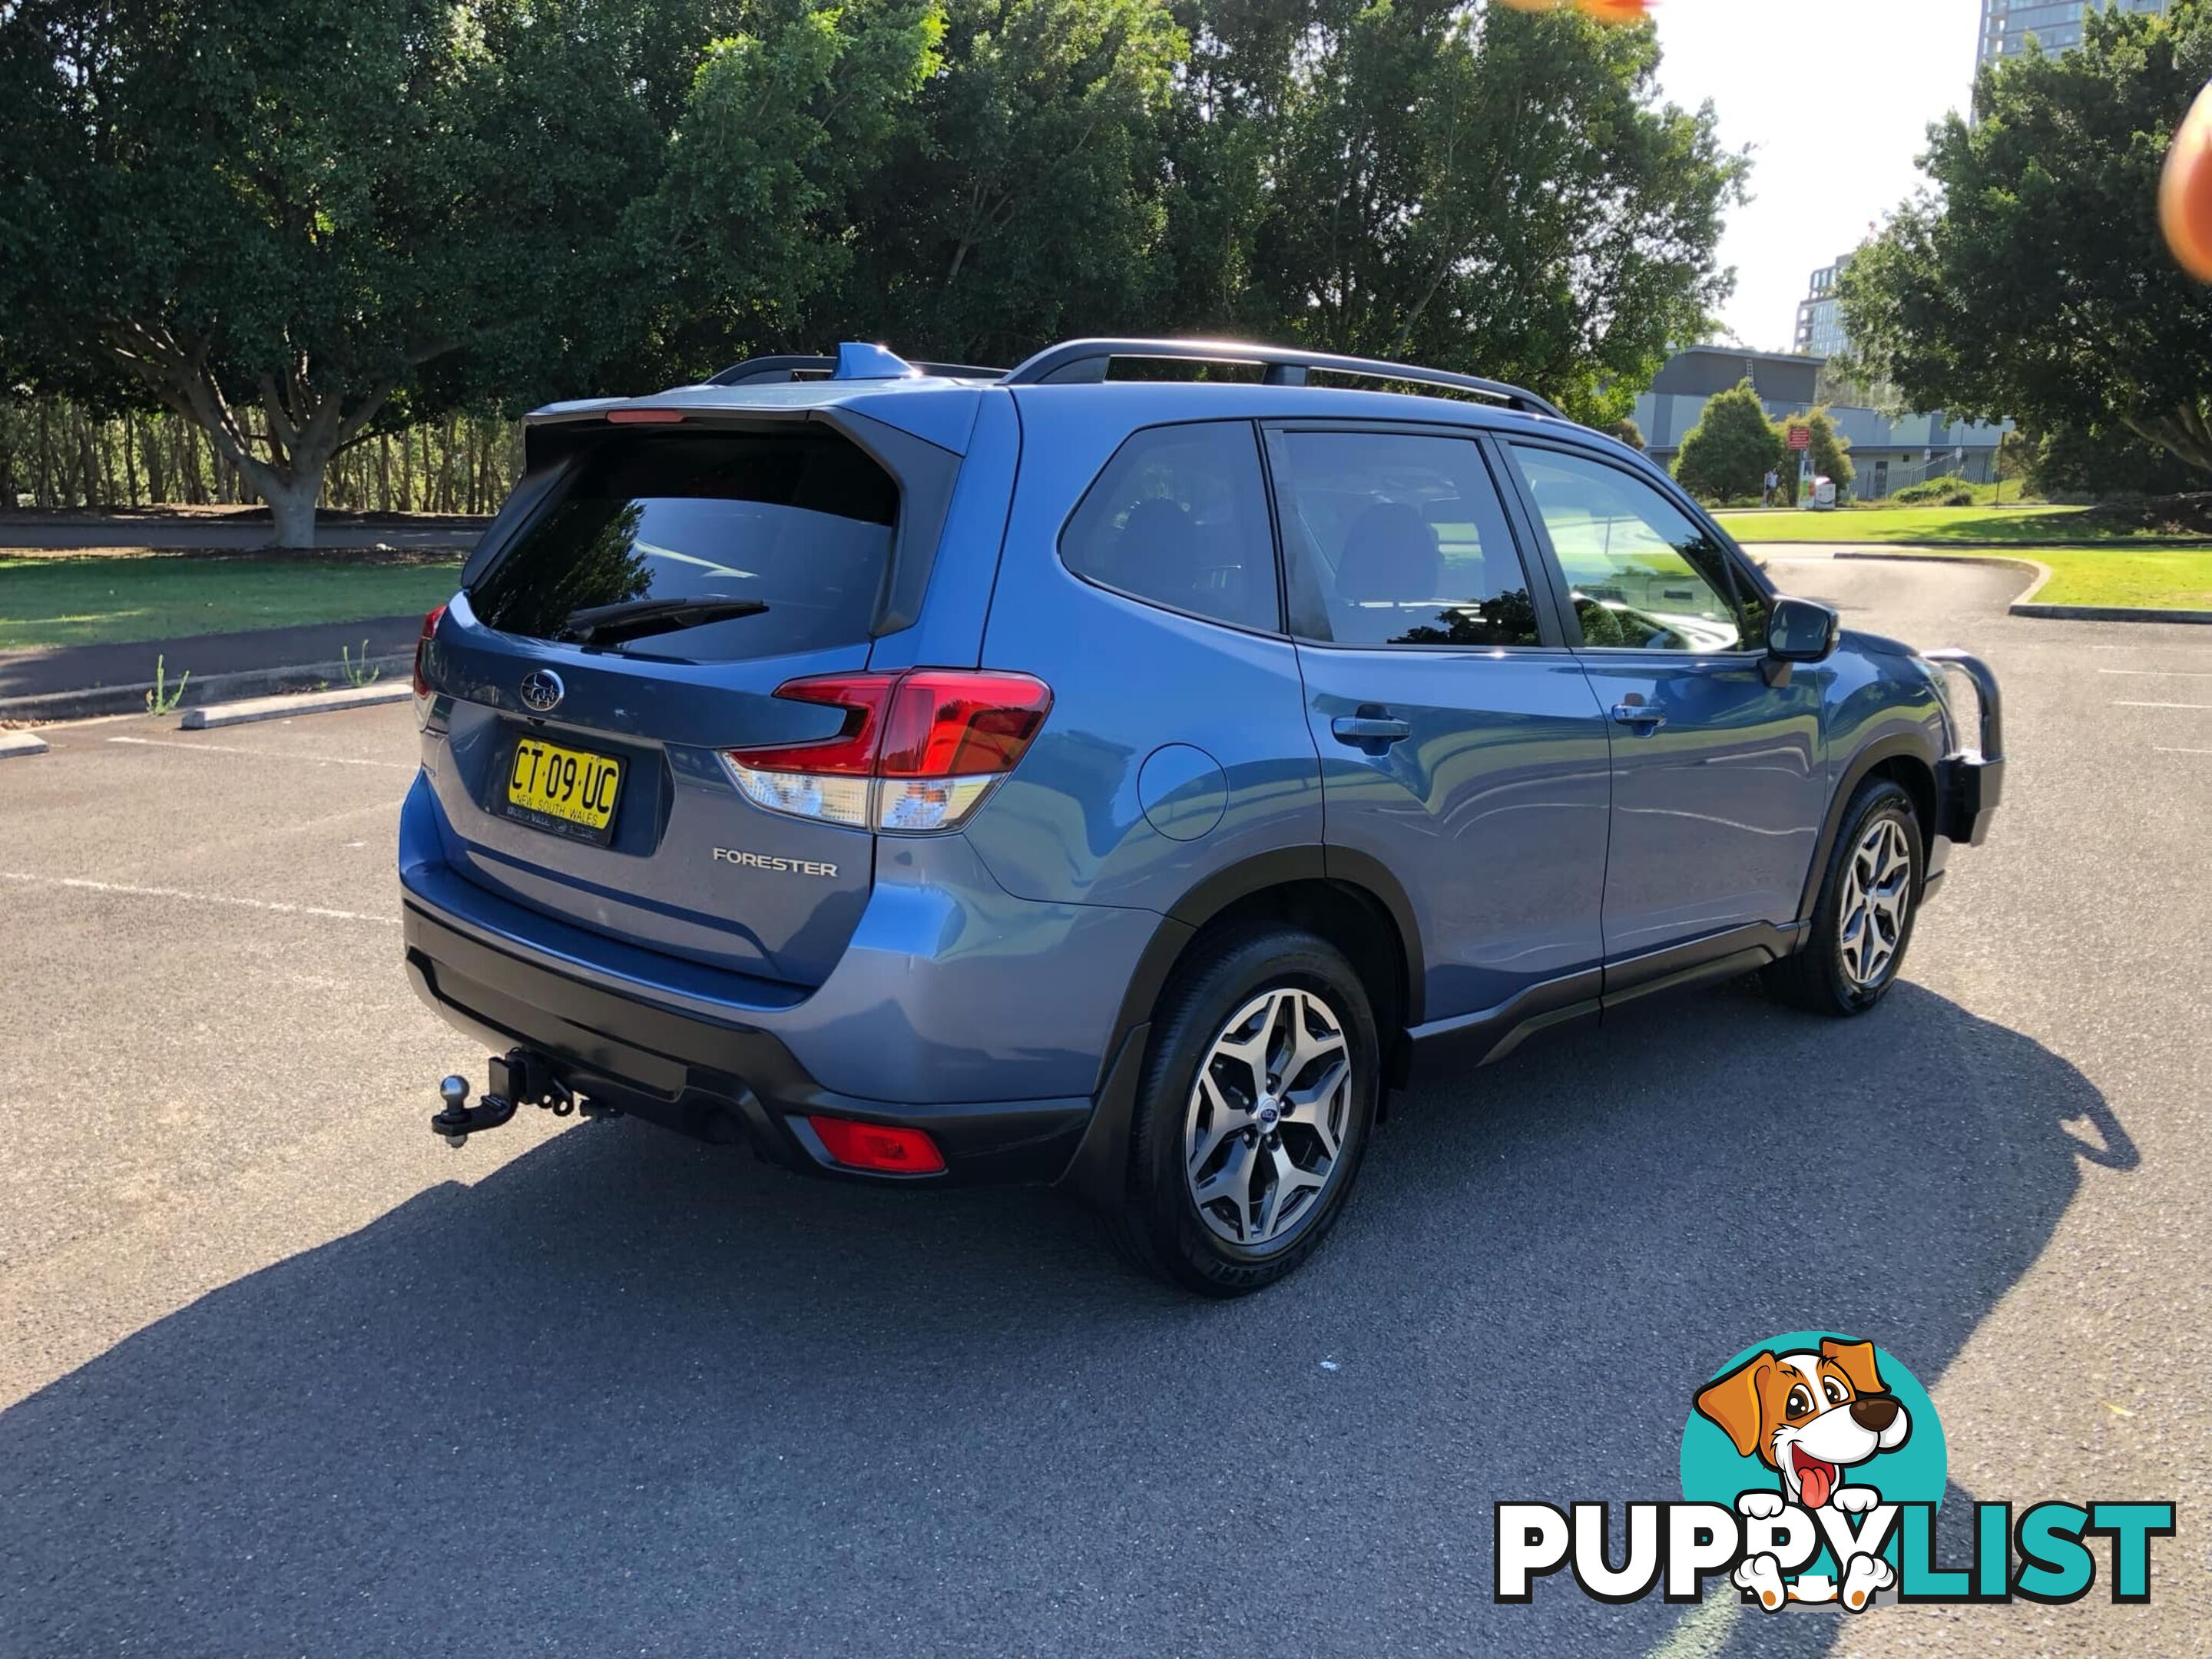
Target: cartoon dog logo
{"x":1809,"y":1415}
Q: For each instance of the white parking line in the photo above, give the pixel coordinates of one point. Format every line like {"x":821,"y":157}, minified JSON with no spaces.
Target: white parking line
{"x":2161,"y":673}
{"x":129,"y":890}
{"x":266,"y":754}
{"x":2163,"y":749}
{"x":2206,"y":707}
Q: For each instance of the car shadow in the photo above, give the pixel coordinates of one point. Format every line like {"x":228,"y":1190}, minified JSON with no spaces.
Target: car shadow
{"x":631,"y":1394}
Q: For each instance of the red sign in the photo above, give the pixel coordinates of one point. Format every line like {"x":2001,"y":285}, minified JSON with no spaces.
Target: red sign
{"x":1801,"y":437}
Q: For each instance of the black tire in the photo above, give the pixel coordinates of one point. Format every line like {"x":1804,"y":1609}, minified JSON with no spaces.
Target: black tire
{"x":1160,"y":1226}
{"x":1814,"y":977}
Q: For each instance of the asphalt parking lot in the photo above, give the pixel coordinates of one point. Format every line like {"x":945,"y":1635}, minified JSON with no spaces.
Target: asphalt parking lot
{"x":280,"y":1373}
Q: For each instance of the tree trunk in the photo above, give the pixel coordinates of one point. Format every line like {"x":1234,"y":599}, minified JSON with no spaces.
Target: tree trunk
{"x":280,"y":446}
{"x":292,"y":488}
{"x":292,"y":506}
{"x":2186,"y":433}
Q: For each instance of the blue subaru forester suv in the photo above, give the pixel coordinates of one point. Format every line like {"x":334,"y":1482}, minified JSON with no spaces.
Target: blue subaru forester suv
{"x":936,"y":775}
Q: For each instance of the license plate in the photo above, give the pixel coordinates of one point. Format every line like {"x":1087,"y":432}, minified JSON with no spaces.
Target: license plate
{"x":563,"y":790}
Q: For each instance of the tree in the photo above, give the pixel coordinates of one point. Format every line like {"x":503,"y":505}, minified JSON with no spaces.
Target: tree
{"x":1020,"y":199}
{"x":1830,"y":450}
{"x":1628,"y":432}
{"x":2032,"y":281}
{"x":292,"y":223}
{"x":1726,"y":455}
{"x":1488,"y":190}
{"x":755,"y":219}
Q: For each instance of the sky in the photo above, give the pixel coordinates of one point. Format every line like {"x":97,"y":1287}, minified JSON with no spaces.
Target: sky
{"x":1834,"y":97}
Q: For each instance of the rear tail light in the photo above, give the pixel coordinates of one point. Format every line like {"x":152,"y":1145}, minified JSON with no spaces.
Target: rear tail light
{"x":878,"y":1147}
{"x":423,"y":644}
{"x":918,"y":752}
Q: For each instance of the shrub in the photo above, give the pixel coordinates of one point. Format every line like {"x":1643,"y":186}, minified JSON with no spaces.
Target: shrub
{"x":2168,"y":515}
{"x":2092,"y":464}
{"x":1945,"y":491}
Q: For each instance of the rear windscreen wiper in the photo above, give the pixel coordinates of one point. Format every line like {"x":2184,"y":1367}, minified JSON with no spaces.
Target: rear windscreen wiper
{"x":610,"y":624}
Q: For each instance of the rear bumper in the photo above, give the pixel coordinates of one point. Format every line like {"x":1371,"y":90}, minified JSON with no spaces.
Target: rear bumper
{"x":983,"y":1019}
{"x":724,"y":1080}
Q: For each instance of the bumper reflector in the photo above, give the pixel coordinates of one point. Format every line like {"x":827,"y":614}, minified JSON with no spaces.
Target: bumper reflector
{"x":878,"y":1147}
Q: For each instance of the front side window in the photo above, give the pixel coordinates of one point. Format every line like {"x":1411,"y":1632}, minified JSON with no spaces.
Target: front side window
{"x":1398,"y":538}
{"x":1179,"y":518}
{"x":1640,"y":574}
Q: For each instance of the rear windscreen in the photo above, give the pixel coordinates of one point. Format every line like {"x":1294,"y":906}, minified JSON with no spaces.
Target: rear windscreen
{"x":797,"y":524}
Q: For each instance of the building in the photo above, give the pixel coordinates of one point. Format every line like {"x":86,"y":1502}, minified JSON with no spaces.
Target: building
{"x":1820,"y":315}
{"x":2006,"y":24}
{"x":1888,"y":453}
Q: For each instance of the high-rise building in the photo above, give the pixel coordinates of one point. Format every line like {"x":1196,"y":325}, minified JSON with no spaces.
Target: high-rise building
{"x":2006,"y":24}
{"x":1821,"y":315}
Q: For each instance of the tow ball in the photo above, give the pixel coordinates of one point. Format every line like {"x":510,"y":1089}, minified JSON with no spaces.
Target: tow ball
{"x":511,"y":1080}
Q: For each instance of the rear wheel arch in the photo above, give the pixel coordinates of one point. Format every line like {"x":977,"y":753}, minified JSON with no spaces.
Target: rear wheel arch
{"x":1349,"y":899}
{"x":1350,"y":916}
{"x":1363,"y":913}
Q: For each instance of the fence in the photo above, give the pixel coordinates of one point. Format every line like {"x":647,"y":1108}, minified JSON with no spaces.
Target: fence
{"x":1902,"y":475}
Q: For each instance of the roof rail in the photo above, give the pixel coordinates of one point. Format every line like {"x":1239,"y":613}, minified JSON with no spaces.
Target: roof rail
{"x":762,"y":371}
{"x":1075,"y":361}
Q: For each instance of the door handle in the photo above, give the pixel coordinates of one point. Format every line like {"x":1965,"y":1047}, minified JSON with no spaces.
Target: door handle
{"x":1368,"y":729}
{"x":1638,"y":713}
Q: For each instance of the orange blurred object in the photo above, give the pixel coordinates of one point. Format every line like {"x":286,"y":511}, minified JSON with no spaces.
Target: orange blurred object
{"x":1605,"y":12}
{"x":2185,"y":191}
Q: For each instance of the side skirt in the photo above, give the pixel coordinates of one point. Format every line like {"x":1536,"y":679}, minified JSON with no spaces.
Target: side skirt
{"x":1098,"y":1172}
{"x":1491,"y":1034}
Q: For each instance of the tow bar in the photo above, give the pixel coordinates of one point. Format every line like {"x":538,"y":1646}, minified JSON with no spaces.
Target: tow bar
{"x":511,"y":1079}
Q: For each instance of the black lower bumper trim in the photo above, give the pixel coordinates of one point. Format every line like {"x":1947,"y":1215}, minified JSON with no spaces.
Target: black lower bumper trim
{"x":720,"y":1081}
{"x":1968,"y":788}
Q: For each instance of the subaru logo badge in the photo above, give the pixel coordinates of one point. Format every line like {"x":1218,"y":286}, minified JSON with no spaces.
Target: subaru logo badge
{"x":542,"y":689}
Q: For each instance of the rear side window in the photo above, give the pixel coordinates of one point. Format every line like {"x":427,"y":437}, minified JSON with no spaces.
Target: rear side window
{"x":1179,"y":518}
{"x":798,"y":524}
{"x":1399,"y":539}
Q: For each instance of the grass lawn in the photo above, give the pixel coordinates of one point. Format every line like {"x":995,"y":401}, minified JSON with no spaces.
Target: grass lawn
{"x":49,"y":599}
{"x":2166,"y":578}
{"x":1934,"y":527}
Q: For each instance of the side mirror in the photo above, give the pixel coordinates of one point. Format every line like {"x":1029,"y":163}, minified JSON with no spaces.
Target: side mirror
{"x":1798,"y":630}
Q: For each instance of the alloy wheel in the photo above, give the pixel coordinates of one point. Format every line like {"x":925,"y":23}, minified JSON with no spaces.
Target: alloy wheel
{"x":1877,"y":897}
{"x":1265,"y":1130}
